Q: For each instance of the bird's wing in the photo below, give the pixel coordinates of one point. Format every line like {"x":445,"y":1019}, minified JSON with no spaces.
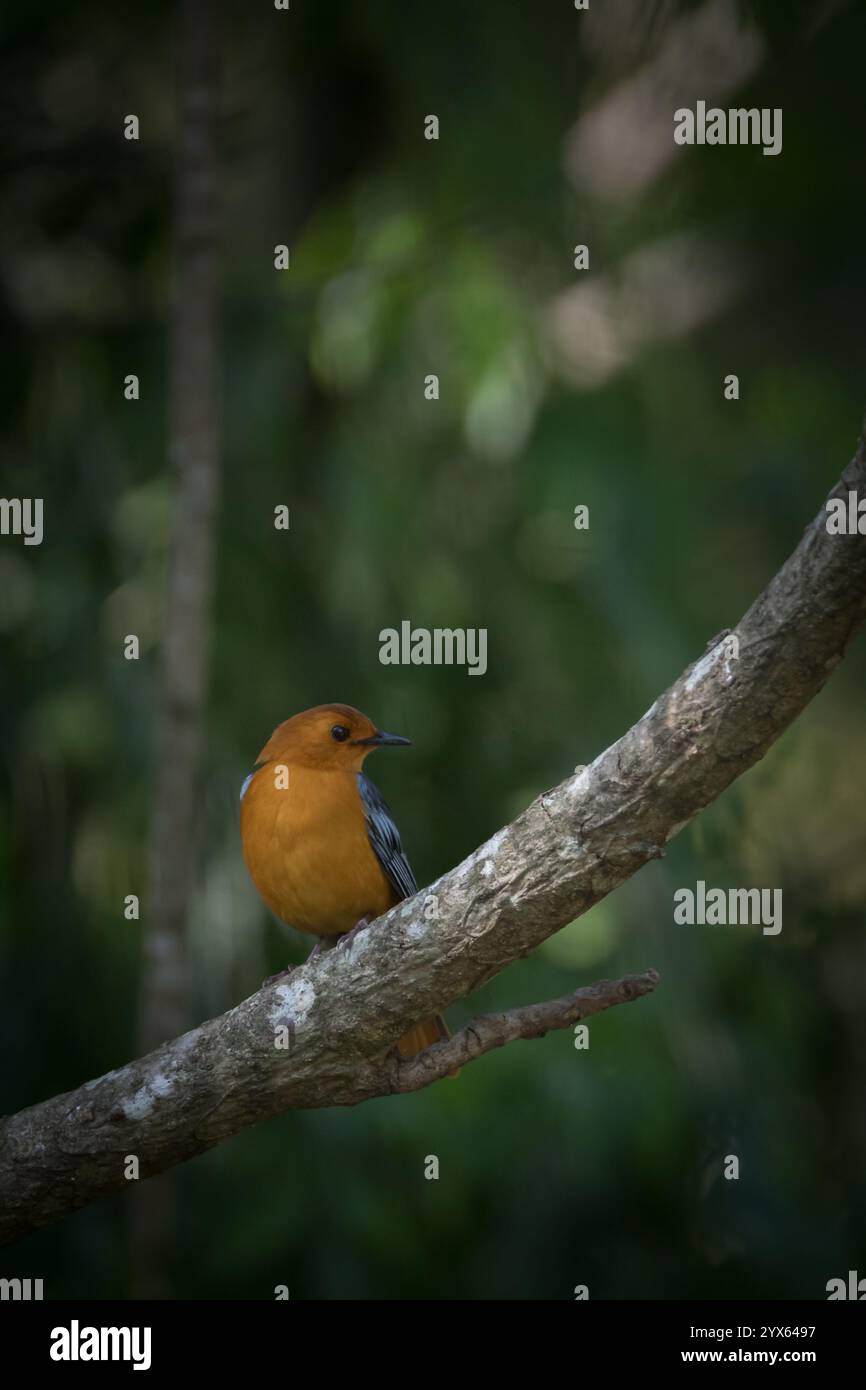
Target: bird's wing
{"x":385,"y":839}
{"x":249,"y":777}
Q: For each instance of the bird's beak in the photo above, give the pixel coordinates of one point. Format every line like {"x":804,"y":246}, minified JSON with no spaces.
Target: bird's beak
{"x":382,"y":740}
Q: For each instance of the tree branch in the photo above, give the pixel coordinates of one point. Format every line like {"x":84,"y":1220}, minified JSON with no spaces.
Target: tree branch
{"x":342,"y":1013}
{"x":489,"y":1031}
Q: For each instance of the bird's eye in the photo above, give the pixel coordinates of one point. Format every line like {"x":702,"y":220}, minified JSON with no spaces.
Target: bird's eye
{"x":340,"y":733}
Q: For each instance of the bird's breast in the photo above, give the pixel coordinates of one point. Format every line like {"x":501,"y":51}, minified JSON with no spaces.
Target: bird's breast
{"x":306,"y":847}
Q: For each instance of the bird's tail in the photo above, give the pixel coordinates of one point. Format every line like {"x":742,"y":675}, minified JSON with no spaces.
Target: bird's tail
{"x":424,"y":1035}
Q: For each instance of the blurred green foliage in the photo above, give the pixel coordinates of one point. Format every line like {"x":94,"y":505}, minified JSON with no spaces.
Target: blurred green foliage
{"x":558,"y":1167}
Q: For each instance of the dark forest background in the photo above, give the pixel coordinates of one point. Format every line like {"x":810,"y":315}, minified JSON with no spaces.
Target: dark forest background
{"x":558,"y":387}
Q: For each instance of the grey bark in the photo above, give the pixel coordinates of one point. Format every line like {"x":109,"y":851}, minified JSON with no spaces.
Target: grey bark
{"x":341,"y":1014}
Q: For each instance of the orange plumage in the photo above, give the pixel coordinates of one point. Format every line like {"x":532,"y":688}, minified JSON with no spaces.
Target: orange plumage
{"x":318,"y":839}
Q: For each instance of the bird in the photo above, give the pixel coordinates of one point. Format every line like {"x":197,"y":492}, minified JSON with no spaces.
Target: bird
{"x":318,"y":839}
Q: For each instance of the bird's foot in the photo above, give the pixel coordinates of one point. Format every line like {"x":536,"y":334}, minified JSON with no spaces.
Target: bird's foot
{"x":315,"y":951}
{"x":345,"y":942}
{"x":280,"y":975}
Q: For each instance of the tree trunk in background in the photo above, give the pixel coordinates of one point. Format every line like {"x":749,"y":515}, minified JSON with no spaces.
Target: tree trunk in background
{"x":193,"y":440}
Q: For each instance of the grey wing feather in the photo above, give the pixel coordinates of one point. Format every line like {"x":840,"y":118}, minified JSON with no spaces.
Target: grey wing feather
{"x":385,"y":839}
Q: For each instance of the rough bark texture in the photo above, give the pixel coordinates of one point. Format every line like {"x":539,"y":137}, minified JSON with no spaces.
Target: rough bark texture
{"x":341,"y":1014}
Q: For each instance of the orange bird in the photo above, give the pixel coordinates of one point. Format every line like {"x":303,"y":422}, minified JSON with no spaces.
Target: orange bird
{"x":318,"y":839}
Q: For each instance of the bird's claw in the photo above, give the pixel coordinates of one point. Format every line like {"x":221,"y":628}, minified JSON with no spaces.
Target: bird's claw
{"x":280,"y":975}
{"x":345,"y":942}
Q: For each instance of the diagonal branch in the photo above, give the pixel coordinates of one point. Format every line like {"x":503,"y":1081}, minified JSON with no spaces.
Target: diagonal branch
{"x":342,"y":1013}
{"x":489,"y":1031}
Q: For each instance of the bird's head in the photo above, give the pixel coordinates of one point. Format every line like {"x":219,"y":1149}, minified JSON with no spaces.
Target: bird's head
{"x":327,"y":736}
